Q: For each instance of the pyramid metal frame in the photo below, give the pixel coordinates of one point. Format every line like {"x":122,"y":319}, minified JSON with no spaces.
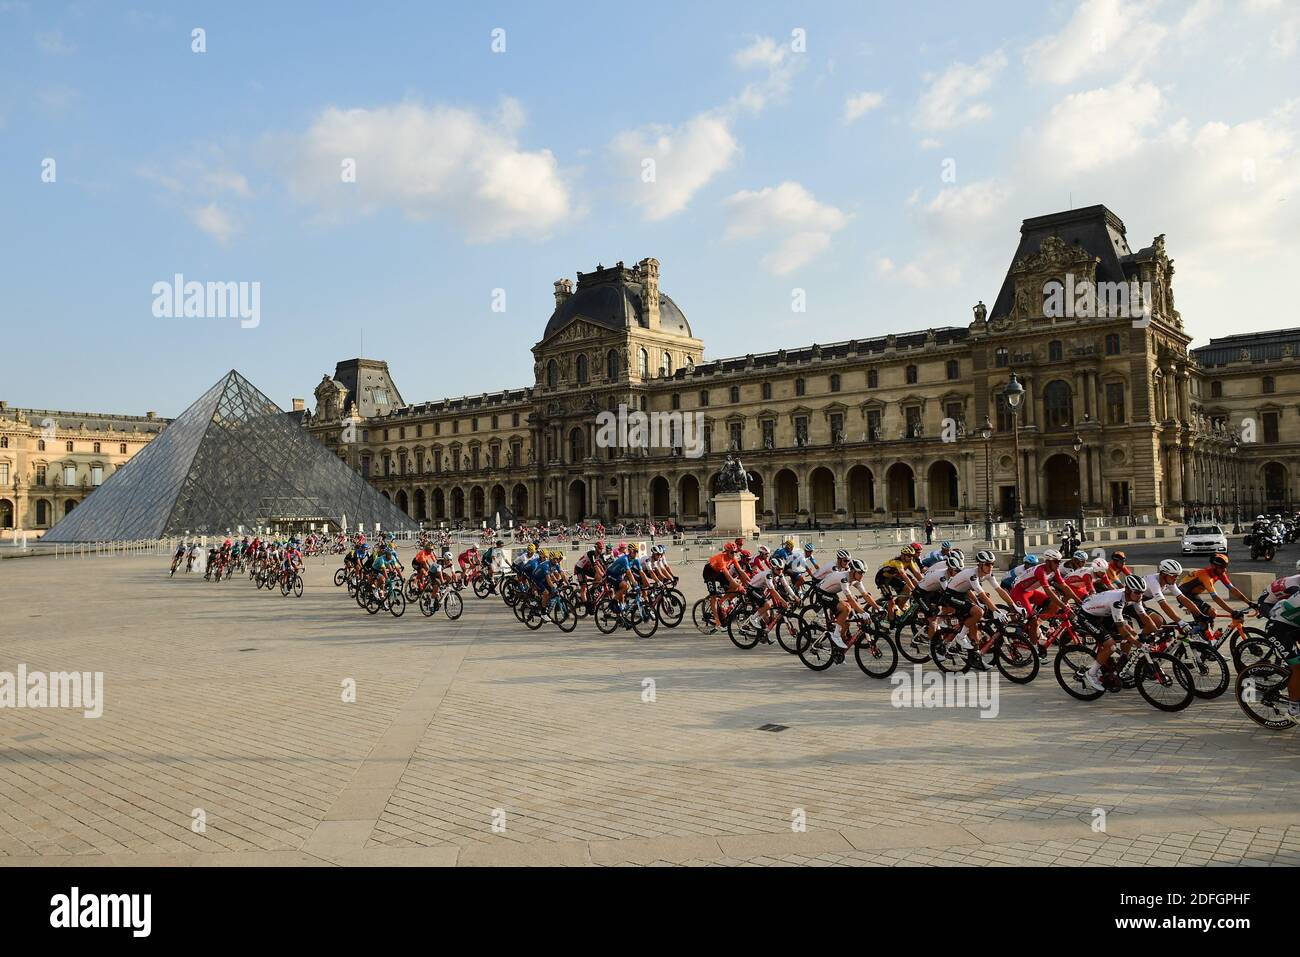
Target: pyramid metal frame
{"x":232,"y":458}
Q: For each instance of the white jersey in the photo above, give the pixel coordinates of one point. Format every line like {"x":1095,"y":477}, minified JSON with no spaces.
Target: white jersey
{"x":969,"y":580}
{"x":934,"y":578}
{"x":761,"y":579}
{"x":1104,"y":603}
{"x":1279,"y":589}
{"x":1029,"y":571}
{"x":833,"y":582}
{"x":796,"y":564}
{"x":1155,"y":589}
{"x":1078,"y":574}
{"x":821,"y":574}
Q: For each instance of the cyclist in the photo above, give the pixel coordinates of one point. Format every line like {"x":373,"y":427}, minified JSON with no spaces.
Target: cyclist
{"x":940,"y":554}
{"x":1111,"y":615}
{"x":1116,"y":569}
{"x":1284,"y":628}
{"x":1199,"y":585}
{"x":468,"y":559}
{"x":423,"y":563}
{"x":723,"y":576}
{"x":1041,"y":589}
{"x":840,"y":592}
{"x":966,"y":592}
{"x":1162,"y":585}
{"x":624,"y":571}
{"x":658,"y":567}
{"x":1010,"y":577}
{"x":842,"y":558}
{"x":897,"y":577}
{"x":785,"y":550}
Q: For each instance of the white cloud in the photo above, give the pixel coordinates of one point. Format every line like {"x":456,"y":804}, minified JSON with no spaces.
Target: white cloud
{"x":763,"y":52}
{"x":215,"y":221}
{"x":431,"y":162}
{"x":1096,"y":128}
{"x":781,"y":64}
{"x":958,"y":208}
{"x":790,"y":211}
{"x":930,"y":143}
{"x":685,"y":159}
{"x":925,"y":272}
{"x":55,"y":44}
{"x":1103,"y":36}
{"x":950,"y":98}
{"x":857,"y":105}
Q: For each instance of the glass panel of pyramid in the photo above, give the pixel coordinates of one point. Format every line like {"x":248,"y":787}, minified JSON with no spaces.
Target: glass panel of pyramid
{"x":232,"y":458}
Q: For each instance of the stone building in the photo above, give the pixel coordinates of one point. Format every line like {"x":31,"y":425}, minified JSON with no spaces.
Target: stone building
{"x":50,"y":461}
{"x":883,"y":428}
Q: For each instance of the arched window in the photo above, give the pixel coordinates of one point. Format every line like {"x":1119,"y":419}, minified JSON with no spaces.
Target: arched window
{"x":1058,"y":406}
{"x":911,"y":375}
{"x":68,"y":446}
{"x":954,"y":369}
{"x":552,"y":374}
{"x":643,"y":364}
{"x":666,"y":366}
{"x":611,"y":365}
{"x":582,"y":370}
{"x":1054,"y":350}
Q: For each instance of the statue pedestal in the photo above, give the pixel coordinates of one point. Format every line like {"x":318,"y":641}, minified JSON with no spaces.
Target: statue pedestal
{"x":733,"y":514}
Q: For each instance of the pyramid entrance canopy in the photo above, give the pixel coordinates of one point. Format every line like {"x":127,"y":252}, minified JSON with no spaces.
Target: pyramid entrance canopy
{"x":232,"y":458}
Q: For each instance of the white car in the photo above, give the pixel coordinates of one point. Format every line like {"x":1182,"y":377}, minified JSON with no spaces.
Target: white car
{"x":1204,"y":538}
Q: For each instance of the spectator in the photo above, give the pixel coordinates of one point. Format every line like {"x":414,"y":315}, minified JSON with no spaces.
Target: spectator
{"x":929,"y":531}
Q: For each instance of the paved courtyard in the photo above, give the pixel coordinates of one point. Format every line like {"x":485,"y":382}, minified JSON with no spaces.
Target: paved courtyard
{"x":476,"y":742}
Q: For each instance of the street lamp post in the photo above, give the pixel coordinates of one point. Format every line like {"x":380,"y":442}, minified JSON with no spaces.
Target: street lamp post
{"x":1236,"y":506}
{"x":1078,"y":458}
{"x":1015,"y":394}
{"x":986,"y":433}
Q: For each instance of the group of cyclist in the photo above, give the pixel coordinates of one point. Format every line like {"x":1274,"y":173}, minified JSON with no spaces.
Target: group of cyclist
{"x":1109,"y":599}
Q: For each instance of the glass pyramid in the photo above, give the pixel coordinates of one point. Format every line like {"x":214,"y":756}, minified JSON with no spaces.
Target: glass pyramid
{"x":232,"y":458}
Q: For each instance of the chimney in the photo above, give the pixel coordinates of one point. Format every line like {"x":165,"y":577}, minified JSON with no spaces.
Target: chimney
{"x":300,"y":405}
{"x":649,"y":270}
{"x":563,"y":290}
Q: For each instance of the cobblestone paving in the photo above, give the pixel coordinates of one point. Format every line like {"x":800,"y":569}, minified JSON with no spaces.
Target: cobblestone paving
{"x":476,"y":742}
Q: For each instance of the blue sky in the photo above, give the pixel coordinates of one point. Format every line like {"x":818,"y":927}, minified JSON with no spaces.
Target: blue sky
{"x":879,"y":157}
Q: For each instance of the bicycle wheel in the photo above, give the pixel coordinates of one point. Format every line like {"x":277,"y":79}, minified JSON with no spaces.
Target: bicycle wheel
{"x":644,"y":621}
{"x":606,"y":616}
{"x":816,"y":650}
{"x":702,"y":616}
{"x":1072,"y":663}
{"x":563,"y":616}
{"x":340,"y":577}
{"x":1164,"y":682}
{"x":1252,"y":648}
{"x":876,"y":655}
{"x":954,"y":662}
{"x":742,"y":633}
{"x":397,"y":603}
{"x":297,"y":586}
{"x":671,"y":608}
{"x":1206,"y":666}
{"x":371,"y":605}
{"x":1261,"y":693}
{"x":912,"y":641}
{"x":453,"y":605}
{"x":482,"y":586}
{"x":425,"y":603}
{"x":534,"y":615}
{"x":1016,"y":658}
{"x":787,"y":632}
{"x":286,"y":586}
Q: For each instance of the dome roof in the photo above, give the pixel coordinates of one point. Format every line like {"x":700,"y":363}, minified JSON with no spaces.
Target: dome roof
{"x":612,"y":298}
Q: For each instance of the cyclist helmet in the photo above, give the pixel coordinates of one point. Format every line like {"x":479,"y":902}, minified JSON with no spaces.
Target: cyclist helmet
{"x":808,"y":548}
{"x":762,"y":549}
{"x":1051,"y":555}
{"x":778,"y":564}
{"x":953,"y":562}
{"x":532,"y":549}
{"x":729,"y":548}
{"x":916,"y":547}
{"x":1135,"y":583}
{"x":661,"y":549}
{"x":788,"y":543}
{"x":1031,"y":561}
{"x":1220,"y":559}
{"x":1080,"y":556}
{"x":843,"y":555}
{"x":1118,"y":556}
{"x":858,"y":566}
{"x":945,"y":544}
{"x":1170,"y":567}
{"x":984,"y":557}
{"x":633,"y":548}
{"x":600,"y":546}
{"x":958,"y":554}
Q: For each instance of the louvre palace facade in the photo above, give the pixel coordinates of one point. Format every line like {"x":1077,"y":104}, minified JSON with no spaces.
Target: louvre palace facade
{"x":1120,"y":417}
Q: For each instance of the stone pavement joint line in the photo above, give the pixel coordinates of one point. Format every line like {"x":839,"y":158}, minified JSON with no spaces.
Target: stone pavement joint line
{"x":476,"y":743}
